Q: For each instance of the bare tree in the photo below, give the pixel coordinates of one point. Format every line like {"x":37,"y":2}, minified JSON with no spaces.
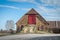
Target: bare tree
{"x":9,"y":24}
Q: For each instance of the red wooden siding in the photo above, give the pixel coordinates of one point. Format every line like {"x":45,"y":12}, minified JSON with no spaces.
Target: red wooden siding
{"x":31,"y":19}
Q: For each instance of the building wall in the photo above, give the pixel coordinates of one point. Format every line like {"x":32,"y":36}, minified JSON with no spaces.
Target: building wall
{"x":58,"y":24}
{"x":54,"y":24}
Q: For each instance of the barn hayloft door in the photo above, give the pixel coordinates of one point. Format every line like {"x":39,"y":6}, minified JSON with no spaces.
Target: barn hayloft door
{"x":31,"y":19}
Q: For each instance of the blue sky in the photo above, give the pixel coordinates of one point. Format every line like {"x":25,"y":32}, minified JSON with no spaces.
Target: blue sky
{"x":15,"y":9}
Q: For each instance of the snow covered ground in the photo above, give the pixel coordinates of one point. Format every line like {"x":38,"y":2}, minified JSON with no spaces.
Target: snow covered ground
{"x":32,"y":37}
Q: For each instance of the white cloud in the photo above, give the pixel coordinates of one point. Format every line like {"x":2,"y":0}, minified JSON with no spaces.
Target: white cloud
{"x":25,"y":8}
{"x":21,"y":0}
{"x":45,"y":2}
{"x":48,"y":10}
{"x":10,"y":7}
{"x":51,"y":2}
{"x":49,"y":14}
{"x":13,"y":7}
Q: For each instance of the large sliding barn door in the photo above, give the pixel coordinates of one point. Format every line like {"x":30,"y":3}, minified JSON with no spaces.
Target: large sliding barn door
{"x":31,"y":19}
